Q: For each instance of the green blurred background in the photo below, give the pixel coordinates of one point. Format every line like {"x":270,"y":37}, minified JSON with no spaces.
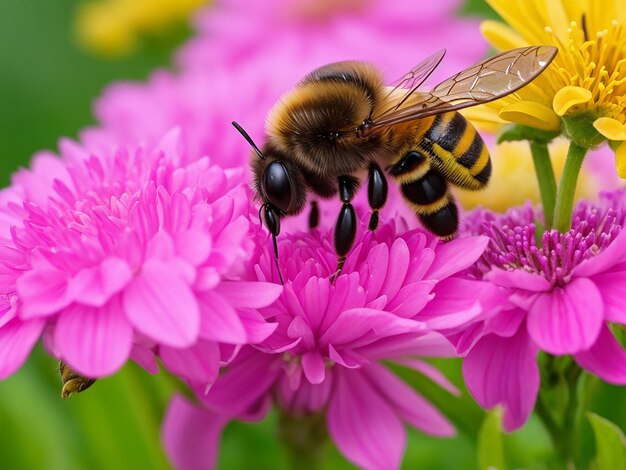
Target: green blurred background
{"x":47,"y":84}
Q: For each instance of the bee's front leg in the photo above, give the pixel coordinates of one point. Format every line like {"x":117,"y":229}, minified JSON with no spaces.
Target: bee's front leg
{"x":376,"y":193}
{"x":345,"y":227}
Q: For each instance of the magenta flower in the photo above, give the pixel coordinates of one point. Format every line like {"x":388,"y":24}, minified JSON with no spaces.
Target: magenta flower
{"x":561,"y":296}
{"x":126,"y":256}
{"x":262,"y":50}
{"x":327,"y":353}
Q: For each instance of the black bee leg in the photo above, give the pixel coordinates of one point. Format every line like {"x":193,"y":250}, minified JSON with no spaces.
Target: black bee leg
{"x":376,"y":193}
{"x":314,"y":215}
{"x":345,"y":227}
{"x":272,"y":220}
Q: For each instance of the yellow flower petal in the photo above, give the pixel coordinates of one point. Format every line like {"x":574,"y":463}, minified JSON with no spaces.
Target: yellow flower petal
{"x":610,"y":128}
{"x":530,"y":113}
{"x":501,"y":36}
{"x":569,"y":96}
{"x":620,"y":160}
{"x":484,"y":118}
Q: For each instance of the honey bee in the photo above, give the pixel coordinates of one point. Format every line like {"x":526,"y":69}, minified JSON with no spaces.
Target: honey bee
{"x":341,"y":124}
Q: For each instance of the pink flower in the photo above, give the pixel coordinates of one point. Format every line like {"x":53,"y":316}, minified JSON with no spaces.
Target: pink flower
{"x":560,"y":298}
{"x":248,"y":54}
{"x":125,"y":256}
{"x":327,"y":353}
{"x":234,"y":31}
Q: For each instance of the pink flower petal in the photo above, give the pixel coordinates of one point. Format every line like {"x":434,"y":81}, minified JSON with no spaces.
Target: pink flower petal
{"x":243,"y":383}
{"x":42,"y":292}
{"x":356,"y":322}
{"x":611,"y":287}
{"x":95,"y":342}
{"x":249,"y":294}
{"x":431,"y":372}
{"x":363,"y":425}
{"x":567,"y":320}
{"x":456,"y":255}
{"x":257,"y":329}
{"x":198,"y":363}
{"x":219,"y":321}
{"x":160,"y":305}
{"x":145,"y":358}
{"x":504,"y":371}
{"x":193,"y":245}
{"x":613,"y":254}
{"x":16,"y":341}
{"x":606,"y":358}
{"x":411,"y":406}
{"x":456,"y":303}
{"x":313,"y":367}
{"x":95,"y":286}
{"x":191,"y":435}
{"x":346,"y":358}
{"x":518,"y":279}
{"x":506,"y":322}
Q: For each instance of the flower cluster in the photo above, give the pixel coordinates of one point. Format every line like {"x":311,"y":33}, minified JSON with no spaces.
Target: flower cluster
{"x":128,"y":255}
{"x":394,"y":296}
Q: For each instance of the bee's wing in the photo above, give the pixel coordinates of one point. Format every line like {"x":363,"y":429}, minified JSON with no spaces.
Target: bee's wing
{"x":486,"y":81}
{"x":410,"y":82}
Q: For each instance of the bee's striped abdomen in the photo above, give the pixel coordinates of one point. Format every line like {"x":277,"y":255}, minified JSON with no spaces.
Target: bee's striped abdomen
{"x":457,"y":151}
{"x":426,"y":191}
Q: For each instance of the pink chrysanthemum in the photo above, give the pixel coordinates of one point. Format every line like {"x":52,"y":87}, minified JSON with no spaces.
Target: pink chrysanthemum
{"x":326,"y":356}
{"x":560,"y":297}
{"x":263,"y":50}
{"x":126,"y":256}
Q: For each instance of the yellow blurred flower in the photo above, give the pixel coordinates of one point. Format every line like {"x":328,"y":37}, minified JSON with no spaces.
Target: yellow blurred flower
{"x":585,"y":87}
{"x":114,"y":27}
{"x":513,"y":179}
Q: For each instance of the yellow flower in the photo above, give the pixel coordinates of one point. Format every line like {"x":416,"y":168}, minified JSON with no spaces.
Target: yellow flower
{"x":513,"y":180}
{"x":584,"y":89}
{"x":114,"y":27}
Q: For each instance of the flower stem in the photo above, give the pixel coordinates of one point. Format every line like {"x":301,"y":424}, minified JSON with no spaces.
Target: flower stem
{"x":304,"y":438}
{"x":546,"y":180}
{"x":567,"y":187}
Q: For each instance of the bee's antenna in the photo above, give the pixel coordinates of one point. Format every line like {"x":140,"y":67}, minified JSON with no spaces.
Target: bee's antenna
{"x":280,"y":276}
{"x":249,"y":139}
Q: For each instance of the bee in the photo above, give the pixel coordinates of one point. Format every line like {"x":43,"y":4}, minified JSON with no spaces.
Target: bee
{"x":341,"y":125}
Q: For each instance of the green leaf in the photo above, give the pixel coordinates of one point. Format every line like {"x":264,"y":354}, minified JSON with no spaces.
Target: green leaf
{"x":491,"y":442}
{"x":610,"y":443}
{"x":519,"y":132}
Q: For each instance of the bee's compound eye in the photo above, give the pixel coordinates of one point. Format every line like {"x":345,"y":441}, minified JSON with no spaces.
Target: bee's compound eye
{"x":277,"y":185}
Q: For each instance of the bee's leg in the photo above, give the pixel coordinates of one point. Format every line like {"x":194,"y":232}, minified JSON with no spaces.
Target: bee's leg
{"x":314,"y":215}
{"x":72,"y":382}
{"x":376,"y":193}
{"x":345,"y":227}
{"x":272,"y":220}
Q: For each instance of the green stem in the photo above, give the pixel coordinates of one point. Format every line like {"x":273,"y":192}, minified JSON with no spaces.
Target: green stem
{"x":304,"y":439}
{"x":546,"y":180}
{"x":567,"y":187}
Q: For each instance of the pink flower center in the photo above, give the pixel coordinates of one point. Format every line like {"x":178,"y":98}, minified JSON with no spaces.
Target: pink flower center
{"x":514,"y":238}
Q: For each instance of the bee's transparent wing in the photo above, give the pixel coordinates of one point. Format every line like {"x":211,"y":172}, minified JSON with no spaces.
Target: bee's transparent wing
{"x":409,"y":83}
{"x":486,"y":81}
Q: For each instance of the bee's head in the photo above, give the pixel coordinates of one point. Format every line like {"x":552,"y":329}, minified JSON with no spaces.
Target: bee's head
{"x":279,"y":183}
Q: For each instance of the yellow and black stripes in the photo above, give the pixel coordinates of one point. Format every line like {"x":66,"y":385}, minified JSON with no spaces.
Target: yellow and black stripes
{"x":457,"y":151}
{"x":426,"y":191}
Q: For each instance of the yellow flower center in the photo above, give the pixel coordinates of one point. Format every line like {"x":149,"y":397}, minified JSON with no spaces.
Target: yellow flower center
{"x":596,"y":64}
